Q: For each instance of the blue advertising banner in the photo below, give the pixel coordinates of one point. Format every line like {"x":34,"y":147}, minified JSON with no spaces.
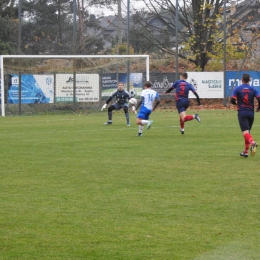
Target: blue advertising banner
{"x":109,"y":82}
{"x":233,"y":79}
{"x":34,"y":89}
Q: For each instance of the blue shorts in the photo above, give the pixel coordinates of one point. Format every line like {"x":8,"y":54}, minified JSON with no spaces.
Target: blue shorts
{"x":245,"y":119}
{"x":182,"y":104}
{"x":144,"y":113}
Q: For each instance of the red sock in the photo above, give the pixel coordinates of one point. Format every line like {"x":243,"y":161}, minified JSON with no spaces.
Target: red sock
{"x":181,"y":123}
{"x":248,"y":138}
{"x":246,"y":146}
{"x":188,"y":118}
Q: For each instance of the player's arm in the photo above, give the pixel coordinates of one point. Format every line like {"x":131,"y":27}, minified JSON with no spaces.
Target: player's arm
{"x":198,"y":98}
{"x":157,"y":102}
{"x":108,"y":100}
{"x":127,"y":97}
{"x":234,"y":100}
{"x":139,"y":103}
{"x":169,"y":89}
{"x":137,"y":106}
{"x":258,"y":99}
{"x":234,"y":97}
{"x":173,"y":86}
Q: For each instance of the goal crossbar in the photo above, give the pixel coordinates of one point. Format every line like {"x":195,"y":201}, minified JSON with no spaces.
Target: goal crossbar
{"x":60,"y":57}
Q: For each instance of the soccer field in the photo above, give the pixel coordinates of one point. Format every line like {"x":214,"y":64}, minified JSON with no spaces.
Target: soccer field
{"x":72,"y":188}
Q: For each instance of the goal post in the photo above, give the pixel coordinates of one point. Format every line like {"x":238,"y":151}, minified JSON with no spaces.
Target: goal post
{"x":90,"y":67}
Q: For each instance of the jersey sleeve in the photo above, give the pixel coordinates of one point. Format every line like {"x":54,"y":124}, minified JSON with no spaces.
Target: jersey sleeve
{"x":127,"y":93}
{"x":172,"y":87}
{"x":114,"y":93}
{"x":192,"y":88}
{"x":111,"y":97}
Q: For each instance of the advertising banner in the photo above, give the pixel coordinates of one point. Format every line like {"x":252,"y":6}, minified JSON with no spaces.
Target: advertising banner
{"x":34,"y":89}
{"x":110,"y":81}
{"x":87,"y":88}
{"x":162,"y":81}
{"x":233,"y":79}
{"x":207,"y":84}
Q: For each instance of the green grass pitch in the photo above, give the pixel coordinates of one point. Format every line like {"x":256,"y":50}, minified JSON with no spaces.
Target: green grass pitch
{"x":72,"y":188}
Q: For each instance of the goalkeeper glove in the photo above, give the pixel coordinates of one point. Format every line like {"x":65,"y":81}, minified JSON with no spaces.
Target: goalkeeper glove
{"x":105,"y":105}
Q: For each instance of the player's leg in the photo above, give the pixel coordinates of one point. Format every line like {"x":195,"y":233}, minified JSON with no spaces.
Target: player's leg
{"x":125,"y":108}
{"x":185,"y":104}
{"x":110,"y":113}
{"x":246,"y":119}
{"x":253,"y":144}
{"x":182,"y":120}
{"x":143,"y":119}
{"x":140,"y":126}
{"x":181,"y":106}
{"x":249,"y":142}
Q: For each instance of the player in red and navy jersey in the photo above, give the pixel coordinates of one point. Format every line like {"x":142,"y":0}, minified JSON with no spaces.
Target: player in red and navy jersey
{"x":182,"y":88}
{"x":243,"y":96}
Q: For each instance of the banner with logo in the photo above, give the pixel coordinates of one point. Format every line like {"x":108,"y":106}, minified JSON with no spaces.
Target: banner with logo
{"x":110,"y":81}
{"x":233,"y":79}
{"x":162,"y":81}
{"x":207,"y":84}
{"x":87,"y":88}
{"x":34,"y":89}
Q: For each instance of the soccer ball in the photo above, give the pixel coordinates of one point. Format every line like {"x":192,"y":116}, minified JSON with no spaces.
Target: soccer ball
{"x":133,"y":101}
{"x":132,"y":93}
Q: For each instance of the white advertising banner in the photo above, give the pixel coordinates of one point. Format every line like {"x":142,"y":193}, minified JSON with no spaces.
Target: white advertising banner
{"x":207,"y":84}
{"x":87,"y":88}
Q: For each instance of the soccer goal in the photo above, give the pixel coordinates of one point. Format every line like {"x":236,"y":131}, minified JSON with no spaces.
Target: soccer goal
{"x":56,"y":80}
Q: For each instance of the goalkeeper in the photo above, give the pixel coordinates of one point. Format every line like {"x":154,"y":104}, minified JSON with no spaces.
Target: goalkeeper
{"x":122,"y":97}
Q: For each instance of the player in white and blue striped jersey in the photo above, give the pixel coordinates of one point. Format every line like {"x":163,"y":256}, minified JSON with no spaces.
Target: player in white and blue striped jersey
{"x":149,"y":101}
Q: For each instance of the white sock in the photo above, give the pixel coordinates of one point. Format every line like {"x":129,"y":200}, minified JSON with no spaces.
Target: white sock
{"x":145,"y":122}
{"x":141,"y":128}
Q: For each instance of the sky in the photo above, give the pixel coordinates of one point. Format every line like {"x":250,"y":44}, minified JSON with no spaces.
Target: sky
{"x":134,"y":4}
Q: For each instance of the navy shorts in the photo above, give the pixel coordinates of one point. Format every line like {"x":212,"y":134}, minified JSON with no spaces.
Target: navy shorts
{"x":182,"y":104}
{"x":119,"y":106}
{"x":245,"y":119}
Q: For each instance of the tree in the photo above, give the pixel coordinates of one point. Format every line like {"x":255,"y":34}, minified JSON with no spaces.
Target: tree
{"x":88,"y":42}
{"x":8,"y":31}
{"x":200,"y":28}
{"x":48,"y":27}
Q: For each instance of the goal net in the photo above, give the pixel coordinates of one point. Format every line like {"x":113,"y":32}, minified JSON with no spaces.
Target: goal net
{"x":29,"y":82}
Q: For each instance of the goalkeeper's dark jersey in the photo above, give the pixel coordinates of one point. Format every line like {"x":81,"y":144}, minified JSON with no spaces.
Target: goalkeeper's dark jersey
{"x":121,"y":97}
